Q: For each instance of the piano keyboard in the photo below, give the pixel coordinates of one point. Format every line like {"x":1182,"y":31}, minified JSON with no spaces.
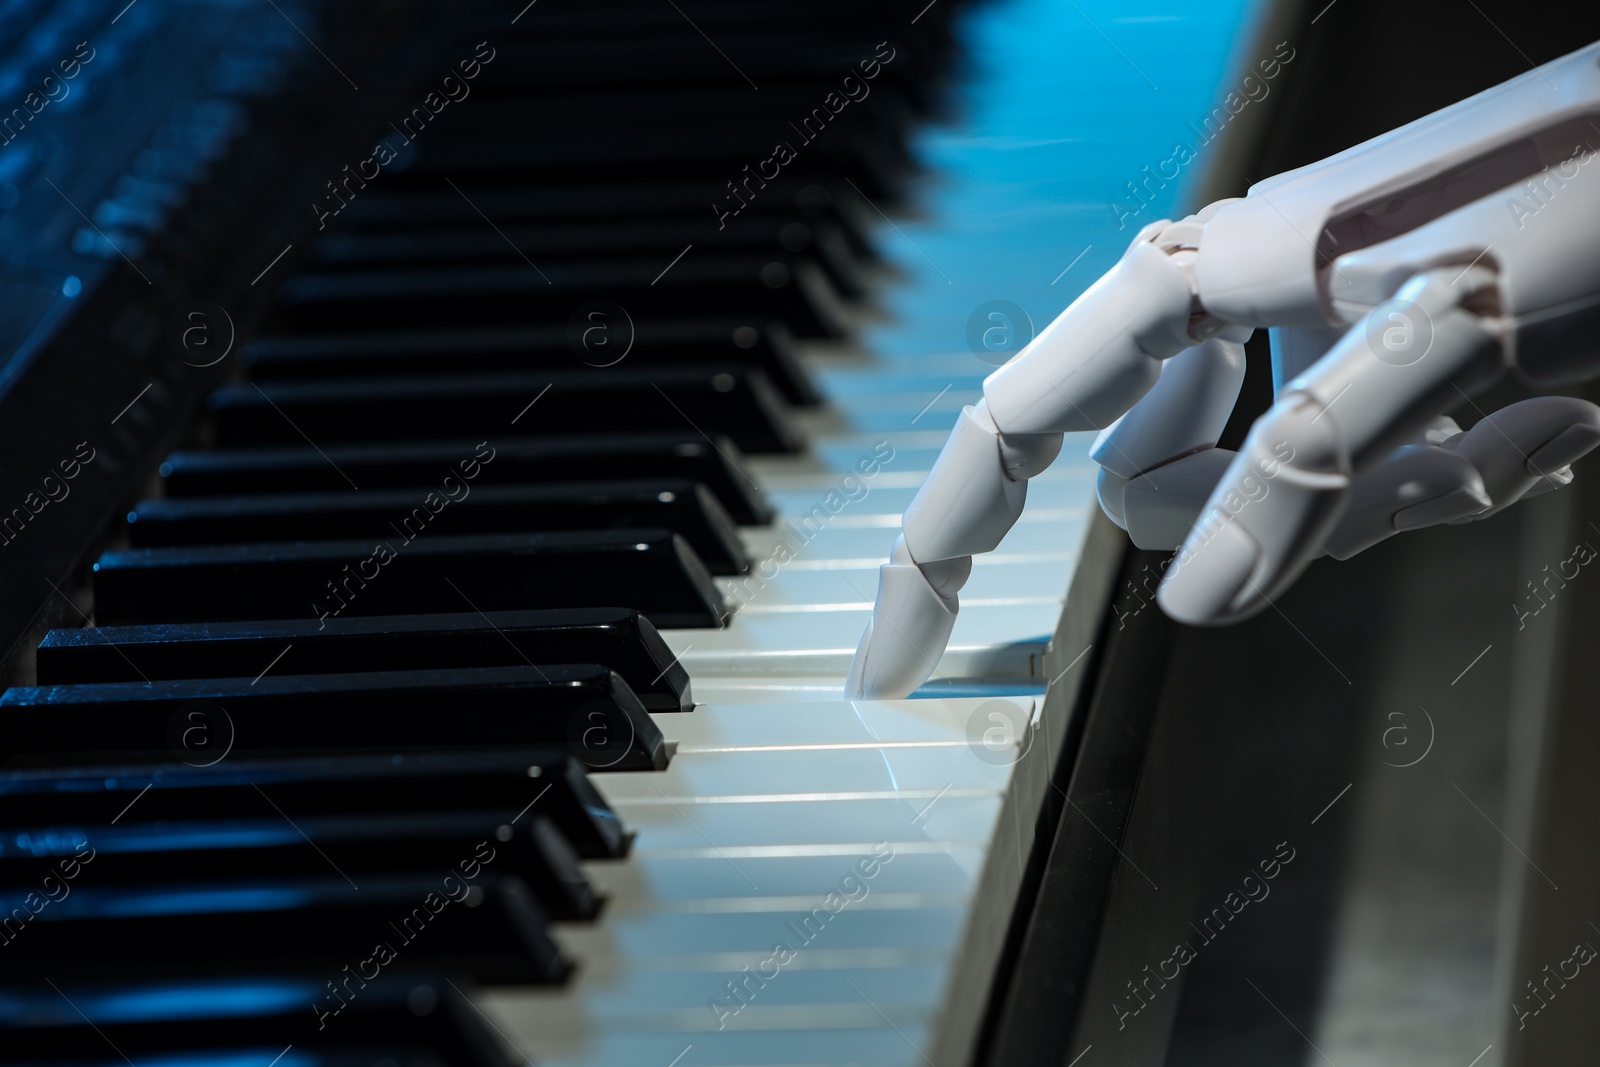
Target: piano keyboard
{"x":604,"y":638}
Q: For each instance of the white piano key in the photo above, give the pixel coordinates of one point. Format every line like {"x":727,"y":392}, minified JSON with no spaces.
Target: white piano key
{"x":901,"y":412}
{"x":1041,"y":530}
{"x":874,"y":497}
{"x":847,"y":585}
{"x":794,"y":688}
{"x":673,"y":883}
{"x":961,"y":814}
{"x":868,"y":1044}
{"x":1004,"y":641}
{"x":605,"y":961}
{"x":907,"y":462}
{"x":634,"y":996}
{"x":847,"y":388}
{"x":855,"y":723}
{"x":781,"y":1003}
{"x":764,"y":811}
{"x":683,"y":1001}
{"x":648,"y":935}
{"x":802,"y":608}
{"x":847,"y":769}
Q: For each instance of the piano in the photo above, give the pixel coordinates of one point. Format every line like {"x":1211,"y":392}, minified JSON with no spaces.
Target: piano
{"x":456,"y":679}
{"x":484,"y":424}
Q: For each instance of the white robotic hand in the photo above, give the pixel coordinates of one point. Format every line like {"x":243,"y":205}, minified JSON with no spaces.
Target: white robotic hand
{"x":1399,"y":277}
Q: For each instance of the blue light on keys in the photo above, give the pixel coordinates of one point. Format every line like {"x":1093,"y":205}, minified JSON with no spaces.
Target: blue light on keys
{"x":1065,"y":105}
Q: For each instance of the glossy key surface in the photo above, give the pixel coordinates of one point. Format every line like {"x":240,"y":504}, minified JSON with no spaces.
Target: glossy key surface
{"x":652,"y":570}
{"x":583,"y":707}
{"x":714,"y":461}
{"x":493,"y":929}
{"x":798,"y":292}
{"x":737,"y":401}
{"x":620,"y":638}
{"x":508,"y":781}
{"x":234,"y":1018}
{"x":457,"y":507}
{"x":137,"y":850}
{"x":600,"y":338}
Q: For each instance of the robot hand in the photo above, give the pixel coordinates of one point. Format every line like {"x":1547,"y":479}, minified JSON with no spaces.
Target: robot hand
{"x":1398,"y":277}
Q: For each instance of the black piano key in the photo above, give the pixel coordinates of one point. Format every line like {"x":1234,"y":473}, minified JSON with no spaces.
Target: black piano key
{"x":417,"y":1021}
{"x":737,"y":401}
{"x":652,"y":570}
{"x":508,"y":781}
{"x":490,"y":927}
{"x":545,"y":244}
{"x":685,"y":508}
{"x":870,"y":145}
{"x":583,"y":708}
{"x":547,"y":861}
{"x":657,"y":343}
{"x":884,"y":106}
{"x":694,"y":286}
{"x":602,"y":61}
{"x":633,"y":19}
{"x":620,"y":638}
{"x":135,"y":851}
{"x":771,"y":26}
{"x":818,"y":203}
{"x":878,"y":163}
{"x":715,"y":462}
